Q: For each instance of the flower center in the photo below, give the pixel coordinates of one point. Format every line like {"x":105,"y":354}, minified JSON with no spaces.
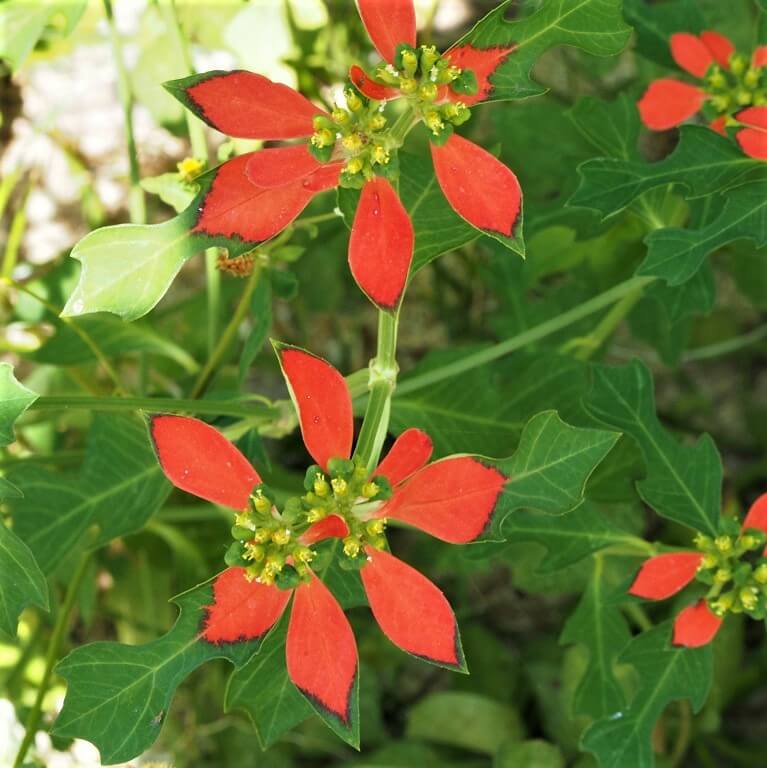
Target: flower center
{"x":735,"y":570}
{"x":732,"y":90}
{"x":270,"y":543}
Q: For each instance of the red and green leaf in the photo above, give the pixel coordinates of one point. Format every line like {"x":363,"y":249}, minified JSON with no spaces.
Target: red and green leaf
{"x":696,"y":625}
{"x":246,"y":105}
{"x":321,"y":654}
{"x":483,"y":62}
{"x":369,"y":87}
{"x":388,"y":23}
{"x":322,"y":401}
{"x":411,"y":611}
{"x":753,"y":138}
{"x":198,"y":459}
{"x":381,"y":244}
{"x":481,"y":189}
{"x":410,"y":451}
{"x":665,"y":575}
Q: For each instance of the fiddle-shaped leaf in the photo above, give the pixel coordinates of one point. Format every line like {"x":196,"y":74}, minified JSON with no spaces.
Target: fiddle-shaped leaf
{"x":595,"y":26}
{"x":676,"y":255}
{"x":118,"y":489}
{"x":665,"y":673}
{"x":118,"y":695}
{"x":15,"y":398}
{"x":683,"y":482}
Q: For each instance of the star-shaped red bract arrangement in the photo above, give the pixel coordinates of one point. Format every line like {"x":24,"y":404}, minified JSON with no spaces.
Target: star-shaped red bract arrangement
{"x":731,"y":90}
{"x":734,"y":559}
{"x":355,"y":146}
{"x":453,"y":499}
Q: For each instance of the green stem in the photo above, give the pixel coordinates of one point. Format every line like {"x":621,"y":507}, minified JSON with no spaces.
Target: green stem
{"x":196,"y":131}
{"x":52,"y":655}
{"x":684,"y":735}
{"x":76,"y":327}
{"x":381,"y":384}
{"x":15,"y":234}
{"x":728,"y":346}
{"x":227,"y":337}
{"x":137,"y":204}
{"x":521,"y":340}
{"x":256,"y":410}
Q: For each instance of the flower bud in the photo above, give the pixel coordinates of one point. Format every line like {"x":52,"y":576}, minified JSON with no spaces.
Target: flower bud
{"x":429,"y":57}
{"x":428,"y":92}
{"x":376,"y":527}
{"x":716,"y":79}
{"x":351,"y":546}
{"x":352,"y":143}
{"x":722,"y":604}
{"x":738,"y":64}
{"x":709,"y":561}
{"x":255,"y":552}
{"x":723,"y":543}
{"x":353,"y":101}
{"x":315,"y":514}
{"x":191,"y":167}
{"x":281,"y":536}
{"x":751,"y":78}
{"x":723,"y":575}
{"x":748,"y":597}
{"x":354,"y":165}
{"x":340,"y":486}
{"x":321,"y":487}
{"x":369,"y":490}
{"x":760,"y":573}
{"x":408,"y":85}
{"x":340,"y":116}
{"x":433,"y":121}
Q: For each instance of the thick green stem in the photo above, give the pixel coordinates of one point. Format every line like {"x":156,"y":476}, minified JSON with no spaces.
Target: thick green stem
{"x":241,"y":409}
{"x":530,"y":336}
{"x":381,"y":383}
{"x":227,"y":337}
{"x":51,"y":657}
{"x":136,"y":204}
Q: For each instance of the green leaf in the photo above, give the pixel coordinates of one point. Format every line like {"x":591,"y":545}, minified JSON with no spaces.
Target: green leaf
{"x":598,"y":625}
{"x":15,"y":398}
{"x":438,"y":228}
{"x":612,"y":127}
{"x":702,"y":163}
{"x":664,"y":674}
{"x":23,"y":23}
{"x":22,"y":583}
{"x":485,"y":410}
{"x":262,"y":689}
{"x":169,"y":187}
{"x":571,"y":537}
{"x":114,"y":336}
{"x":118,"y":489}
{"x":465,"y":720}
{"x":261,"y":315}
{"x":683,"y":482}
{"x":654,"y":23}
{"x":596,"y":26}
{"x":118,"y":695}
{"x":535,"y":753}
{"x":677,"y":254}
{"x":126,"y":269}
{"x":551,"y":466}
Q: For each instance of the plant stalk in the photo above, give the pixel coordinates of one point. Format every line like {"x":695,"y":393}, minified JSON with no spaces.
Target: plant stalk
{"x":136,"y":201}
{"x":51,"y":657}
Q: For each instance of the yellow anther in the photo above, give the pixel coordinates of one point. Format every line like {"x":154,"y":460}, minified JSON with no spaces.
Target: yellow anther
{"x":340,"y":116}
{"x":428,"y":91}
{"x":376,"y":527}
{"x":748,"y":597}
{"x":377,"y":122}
{"x":751,"y":78}
{"x":378,"y":543}
{"x":303,"y":555}
{"x":190,"y":167}
{"x":760,"y":574}
{"x":370,"y":489}
{"x":266,"y":578}
{"x":315,"y":514}
{"x":321,"y":487}
{"x":738,"y":64}
{"x":355,"y":165}
{"x":380,"y":155}
{"x":408,"y":85}
{"x":723,"y":575}
{"x":353,"y":142}
{"x":748,"y":542}
{"x":709,"y":561}
{"x":261,"y":503}
{"x":716,"y":79}
{"x":340,"y":486}
{"x":254,"y":551}
{"x":702,"y":542}
{"x":243,"y":520}
{"x":743,"y":97}
{"x":409,"y":62}
{"x":351,"y":547}
{"x":723,"y":543}
{"x":433,"y":121}
{"x":721,"y":102}
{"x":353,"y":101}
{"x":722,"y":605}
{"x":429,"y":57}
{"x":281,"y":536}
{"x":323,"y":138}
{"x":262,"y":536}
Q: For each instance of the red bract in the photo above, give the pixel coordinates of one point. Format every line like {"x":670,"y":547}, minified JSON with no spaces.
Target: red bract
{"x":256,"y":196}
{"x":453,"y":499}
{"x":727,"y":83}
{"x":753,"y":137}
{"x":480,"y":188}
{"x":665,"y":575}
